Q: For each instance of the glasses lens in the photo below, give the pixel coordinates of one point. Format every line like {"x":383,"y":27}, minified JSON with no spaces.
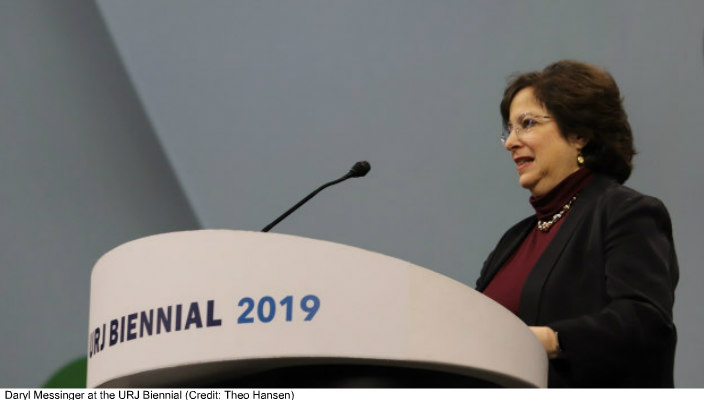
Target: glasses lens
{"x":504,"y":134}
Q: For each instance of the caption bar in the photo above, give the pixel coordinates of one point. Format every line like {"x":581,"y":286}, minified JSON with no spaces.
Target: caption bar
{"x":148,"y":394}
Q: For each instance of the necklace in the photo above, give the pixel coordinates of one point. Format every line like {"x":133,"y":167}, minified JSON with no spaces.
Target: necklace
{"x":544,"y":226}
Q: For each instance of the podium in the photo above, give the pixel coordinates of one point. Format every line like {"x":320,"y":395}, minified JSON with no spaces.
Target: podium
{"x":220,"y":308}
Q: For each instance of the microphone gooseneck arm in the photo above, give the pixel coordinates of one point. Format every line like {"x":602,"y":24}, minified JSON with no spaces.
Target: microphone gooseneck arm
{"x":358,"y":170}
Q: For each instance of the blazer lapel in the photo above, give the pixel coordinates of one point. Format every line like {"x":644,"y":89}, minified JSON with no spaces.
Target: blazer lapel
{"x":532,"y":289}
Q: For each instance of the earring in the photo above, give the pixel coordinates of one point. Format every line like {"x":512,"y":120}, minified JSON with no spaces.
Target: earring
{"x":580,"y":159}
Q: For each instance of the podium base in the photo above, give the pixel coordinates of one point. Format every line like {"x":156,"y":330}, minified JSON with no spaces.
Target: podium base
{"x":348,"y":376}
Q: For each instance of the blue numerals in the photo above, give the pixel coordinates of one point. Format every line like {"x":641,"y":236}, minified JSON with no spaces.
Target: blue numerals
{"x":265,"y":309}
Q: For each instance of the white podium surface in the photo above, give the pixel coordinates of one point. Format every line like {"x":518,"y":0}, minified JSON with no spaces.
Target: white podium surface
{"x":174,"y":307}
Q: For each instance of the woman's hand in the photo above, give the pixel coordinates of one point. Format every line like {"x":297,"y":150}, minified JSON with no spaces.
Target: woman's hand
{"x":548,"y":338}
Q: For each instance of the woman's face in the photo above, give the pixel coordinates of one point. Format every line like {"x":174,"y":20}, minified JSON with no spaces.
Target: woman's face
{"x":543,"y":157}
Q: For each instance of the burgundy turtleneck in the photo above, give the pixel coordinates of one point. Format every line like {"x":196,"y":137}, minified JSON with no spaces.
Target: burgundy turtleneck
{"x":506,"y":286}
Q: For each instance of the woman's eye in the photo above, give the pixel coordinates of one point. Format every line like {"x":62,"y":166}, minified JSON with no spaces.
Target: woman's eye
{"x":527,"y":123}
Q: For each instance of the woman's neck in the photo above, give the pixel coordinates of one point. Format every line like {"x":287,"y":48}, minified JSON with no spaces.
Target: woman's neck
{"x":551,"y":202}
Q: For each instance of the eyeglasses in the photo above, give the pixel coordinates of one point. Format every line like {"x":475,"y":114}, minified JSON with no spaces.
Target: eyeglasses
{"x":525,"y":123}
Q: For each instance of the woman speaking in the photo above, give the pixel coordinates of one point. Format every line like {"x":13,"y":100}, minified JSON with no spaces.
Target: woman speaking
{"x":594,"y":271}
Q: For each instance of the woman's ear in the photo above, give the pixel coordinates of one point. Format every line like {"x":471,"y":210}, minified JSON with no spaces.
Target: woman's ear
{"x":578,"y":141}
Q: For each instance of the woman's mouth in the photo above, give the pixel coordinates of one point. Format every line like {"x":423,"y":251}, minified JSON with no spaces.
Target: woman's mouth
{"x":522,"y":162}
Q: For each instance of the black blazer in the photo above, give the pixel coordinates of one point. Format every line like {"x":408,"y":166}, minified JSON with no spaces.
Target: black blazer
{"x":606,"y":284}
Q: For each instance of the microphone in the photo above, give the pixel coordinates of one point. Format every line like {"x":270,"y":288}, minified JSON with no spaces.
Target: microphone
{"x":358,"y":170}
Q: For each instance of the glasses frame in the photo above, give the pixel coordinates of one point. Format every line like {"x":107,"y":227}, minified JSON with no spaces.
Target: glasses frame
{"x":508,"y":128}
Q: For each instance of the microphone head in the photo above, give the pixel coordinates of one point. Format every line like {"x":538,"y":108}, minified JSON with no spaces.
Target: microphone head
{"x":359,"y":169}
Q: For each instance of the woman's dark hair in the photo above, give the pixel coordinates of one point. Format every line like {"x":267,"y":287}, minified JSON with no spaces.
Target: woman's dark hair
{"x":585,"y":102}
